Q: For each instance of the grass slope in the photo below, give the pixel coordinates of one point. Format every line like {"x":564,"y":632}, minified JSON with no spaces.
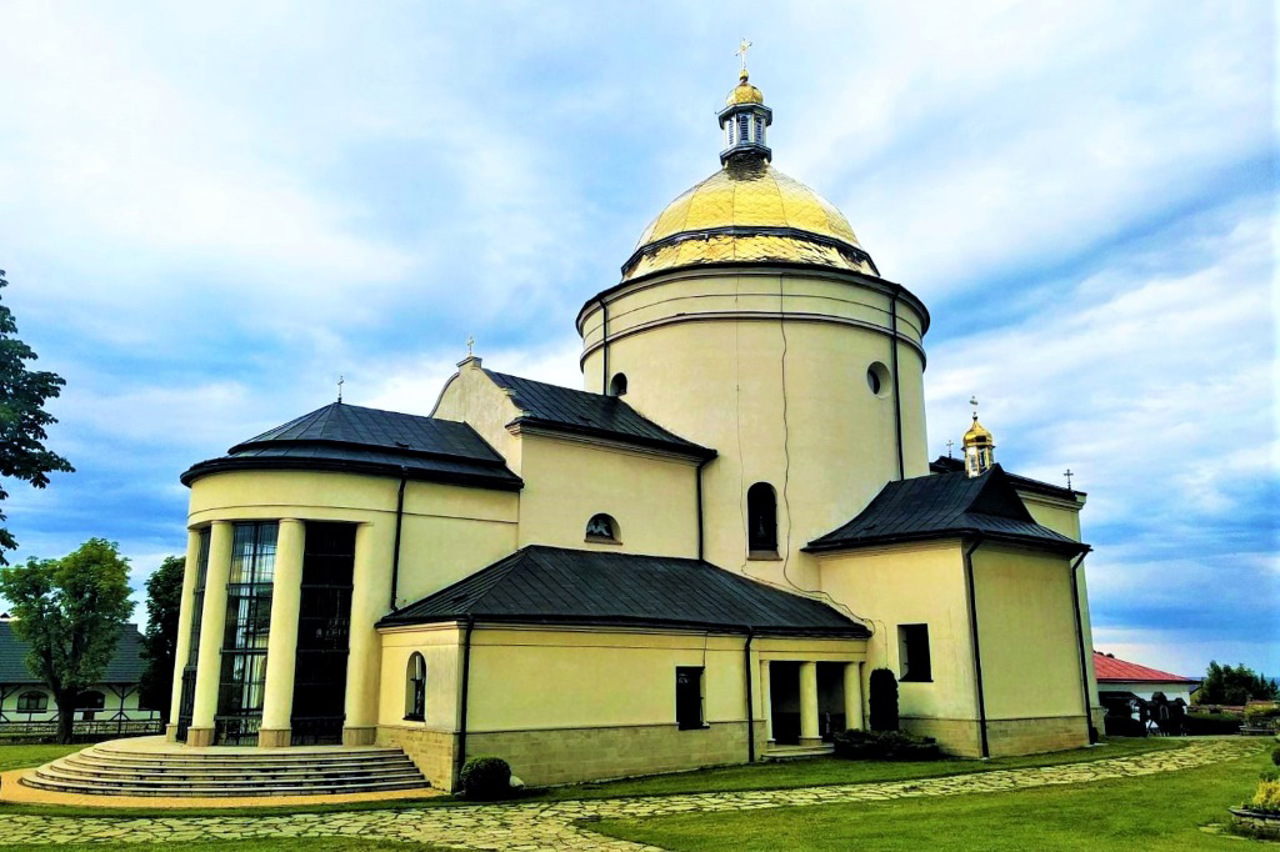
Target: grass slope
{"x":1152,"y":813}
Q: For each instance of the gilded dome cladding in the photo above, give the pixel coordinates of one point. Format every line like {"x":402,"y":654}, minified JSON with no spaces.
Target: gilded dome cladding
{"x":748,"y":212}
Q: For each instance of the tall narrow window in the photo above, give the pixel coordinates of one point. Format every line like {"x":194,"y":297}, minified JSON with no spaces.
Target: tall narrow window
{"x":762,"y":520}
{"x":743,"y":125}
{"x":760,"y":129}
{"x":415,"y":689}
{"x":689,"y":697}
{"x":244,"y":643}
{"x":913,"y":652}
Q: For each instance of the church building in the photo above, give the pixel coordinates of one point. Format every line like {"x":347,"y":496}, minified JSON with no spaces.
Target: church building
{"x":696,"y":559}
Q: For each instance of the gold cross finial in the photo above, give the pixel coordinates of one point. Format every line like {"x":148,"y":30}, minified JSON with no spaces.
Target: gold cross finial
{"x":742,"y":51}
{"x":471,"y":343}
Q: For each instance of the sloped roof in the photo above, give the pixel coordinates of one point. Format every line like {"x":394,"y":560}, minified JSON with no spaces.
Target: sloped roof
{"x":369,"y":440}
{"x":947,"y":464}
{"x":541,"y":584}
{"x":125,"y":666}
{"x":1111,"y":670}
{"x":945,"y":505}
{"x":569,"y":410}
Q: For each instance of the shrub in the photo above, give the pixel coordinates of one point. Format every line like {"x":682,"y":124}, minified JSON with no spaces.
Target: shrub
{"x":486,"y":778}
{"x":1275,"y":755}
{"x":1211,"y":723}
{"x":1267,"y":797}
{"x":883,"y":700}
{"x":1124,"y":726}
{"x":885,"y":745}
{"x":1262,"y":715}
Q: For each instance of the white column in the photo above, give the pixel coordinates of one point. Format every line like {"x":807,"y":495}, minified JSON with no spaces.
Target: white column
{"x":766,"y":701}
{"x":182,"y":647}
{"x":212,"y":625}
{"x":853,"y":696}
{"x":809,"y":704}
{"x":282,"y":641}
{"x":370,"y":600}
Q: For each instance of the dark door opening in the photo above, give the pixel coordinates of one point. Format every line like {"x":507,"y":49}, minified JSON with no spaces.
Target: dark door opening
{"x":324,"y":627}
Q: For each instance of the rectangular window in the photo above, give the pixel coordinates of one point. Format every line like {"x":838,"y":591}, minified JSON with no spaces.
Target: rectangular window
{"x":743,"y":125}
{"x":244,"y":643}
{"x":913,"y":652}
{"x":689,"y":697}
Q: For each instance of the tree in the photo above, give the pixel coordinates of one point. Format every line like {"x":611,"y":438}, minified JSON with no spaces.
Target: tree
{"x":159,"y":643}
{"x":23,"y":419}
{"x":70,"y":611}
{"x":1234,"y":686}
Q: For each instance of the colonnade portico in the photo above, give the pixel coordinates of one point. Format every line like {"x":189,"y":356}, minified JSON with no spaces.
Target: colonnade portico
{"x":210,"y":550}
{"x":807,"y":697}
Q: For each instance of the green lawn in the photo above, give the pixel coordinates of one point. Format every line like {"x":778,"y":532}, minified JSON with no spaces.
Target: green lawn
{"x":20,"y":756}
{"x":265,"y":844}
{"x":1151,"y":813}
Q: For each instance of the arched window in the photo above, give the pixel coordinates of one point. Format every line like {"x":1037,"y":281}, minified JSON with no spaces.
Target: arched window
{"x":603,"y":529}
{"x":618,"y":385}
{"x":415,"y":690}
{"x":33,"y":702}
{"x":92,"y":700}
{"x":762,"y":520}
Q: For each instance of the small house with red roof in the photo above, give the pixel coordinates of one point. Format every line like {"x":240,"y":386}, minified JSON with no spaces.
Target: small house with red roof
{"x":1122,"y":679}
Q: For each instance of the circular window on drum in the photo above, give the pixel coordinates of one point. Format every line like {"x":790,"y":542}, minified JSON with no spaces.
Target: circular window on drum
{"x":878,"y":379}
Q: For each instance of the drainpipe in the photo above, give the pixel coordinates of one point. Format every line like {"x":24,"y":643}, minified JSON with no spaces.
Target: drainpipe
{"x":1084,"y":668}
{"x":751,"y":710}
{"x":897,"y":397}
{"x":460,"y":758}
{"x":395,"y":556}
{"x":977,"y":651}
{"x":701,"y":465}
{"x":604,"y":345}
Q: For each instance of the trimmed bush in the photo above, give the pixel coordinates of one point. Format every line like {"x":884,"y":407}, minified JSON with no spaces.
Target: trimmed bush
{"x":1275,"y":755}
{"x":486,"y":778}
{"x":885,"y":745}
{"x":883,"y":700}
{"x":1211,"y":723}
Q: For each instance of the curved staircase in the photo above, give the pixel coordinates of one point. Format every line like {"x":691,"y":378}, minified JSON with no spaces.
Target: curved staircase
{"x":148,"y":766}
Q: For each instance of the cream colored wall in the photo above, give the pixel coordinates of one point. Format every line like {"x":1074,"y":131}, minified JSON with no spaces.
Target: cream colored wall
{"x":913,"y":584}
{"x":653,"y":498}
{"x":113,"y":705}
{"x":703,"y":354}
{"x":440,"y":649}
{"x":471,"y":397}
{"x":448,"y":531}
{"x":536,"y":679}
{"x":1026,"y":624}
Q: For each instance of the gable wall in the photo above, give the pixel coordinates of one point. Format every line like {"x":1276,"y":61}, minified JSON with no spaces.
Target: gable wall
{"x":471,"y":397}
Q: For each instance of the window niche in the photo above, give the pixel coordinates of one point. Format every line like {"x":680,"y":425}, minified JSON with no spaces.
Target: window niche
{"x":603,"y":529}
{"x":689,"y":701}
{"x":762,"y":521}
{"x":618,"y":385}
{"x":913,"y":653}
{"x":878,"y":379}
{"x":415,"y":689}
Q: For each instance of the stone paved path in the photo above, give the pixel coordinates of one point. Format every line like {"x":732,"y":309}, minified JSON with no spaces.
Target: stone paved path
{"x":532,"y":827}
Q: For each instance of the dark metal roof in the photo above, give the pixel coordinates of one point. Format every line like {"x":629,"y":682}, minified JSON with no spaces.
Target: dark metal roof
{"x":125,"y":666}
{"x":554,"y":585}
{"x":568,"y":410}
{"x":947,"y":464}
{"x":355,"y":439}
{"x":945,"y":505}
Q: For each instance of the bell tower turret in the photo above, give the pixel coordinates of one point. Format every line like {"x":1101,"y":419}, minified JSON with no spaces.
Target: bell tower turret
{"x":744,"y":119}
{"x":979,"y":446}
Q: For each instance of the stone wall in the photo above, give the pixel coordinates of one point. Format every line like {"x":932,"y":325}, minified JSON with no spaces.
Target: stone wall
{"x":959,"y":737}
{"x":541,"y":757}
{"x":1032,"y":736}
{"x":431,"y":751}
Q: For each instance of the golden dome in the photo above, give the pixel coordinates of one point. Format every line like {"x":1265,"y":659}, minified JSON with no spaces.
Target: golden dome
{"x":744,"y":92}
{"x":978,"y":436}
{"x":748,"y":212}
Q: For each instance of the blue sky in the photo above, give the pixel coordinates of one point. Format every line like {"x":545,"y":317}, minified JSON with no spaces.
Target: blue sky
{"x":209,"y":212}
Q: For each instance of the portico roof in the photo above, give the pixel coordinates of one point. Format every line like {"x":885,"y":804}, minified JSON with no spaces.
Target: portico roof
{"x":553,"y":585}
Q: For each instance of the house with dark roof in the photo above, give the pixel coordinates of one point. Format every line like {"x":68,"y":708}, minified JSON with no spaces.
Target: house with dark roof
{"x":698,"y":557}
{"x":24,"y":698}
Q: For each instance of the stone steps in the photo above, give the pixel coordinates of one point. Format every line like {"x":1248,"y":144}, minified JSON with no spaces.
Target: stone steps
{"x":153,"y":769}
{"x":797,"y":752}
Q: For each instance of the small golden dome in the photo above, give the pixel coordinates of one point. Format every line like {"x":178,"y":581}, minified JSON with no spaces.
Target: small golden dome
{"x":978,"y":436}
{"x":744,"y":92}
{"x":748,"y":213}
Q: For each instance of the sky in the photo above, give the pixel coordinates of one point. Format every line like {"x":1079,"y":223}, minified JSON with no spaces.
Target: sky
{"x":208,"y":212}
